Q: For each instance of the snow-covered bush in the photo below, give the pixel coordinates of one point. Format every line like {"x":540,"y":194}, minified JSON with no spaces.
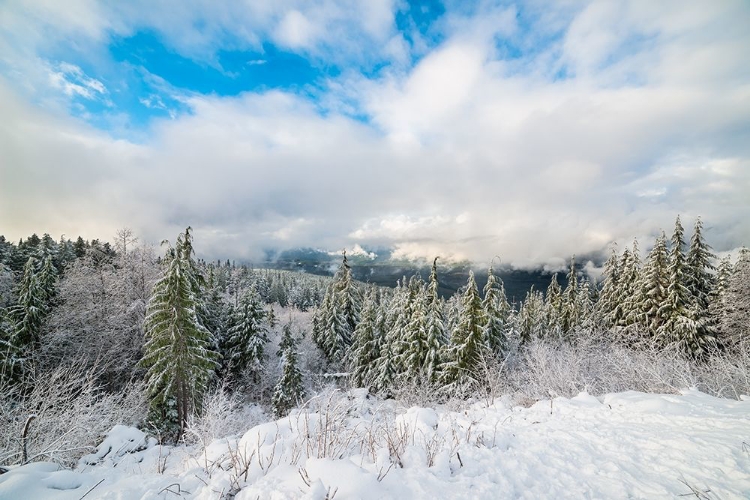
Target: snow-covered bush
{"x":71,"y":414}
{"x":222,"y":414}
{"x":600,"y":365}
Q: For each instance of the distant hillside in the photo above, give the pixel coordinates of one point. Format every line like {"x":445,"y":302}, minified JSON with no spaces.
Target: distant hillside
{"x":384,"y":271}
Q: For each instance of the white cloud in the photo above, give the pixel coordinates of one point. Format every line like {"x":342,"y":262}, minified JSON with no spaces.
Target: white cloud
{"x":466,"y":156}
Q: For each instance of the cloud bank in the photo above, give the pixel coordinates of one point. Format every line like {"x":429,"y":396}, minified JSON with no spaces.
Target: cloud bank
{"x":532,"y":133}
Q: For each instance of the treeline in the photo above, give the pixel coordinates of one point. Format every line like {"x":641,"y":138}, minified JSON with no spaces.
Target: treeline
{"x":89,"y":303}
{"x":184,"y":325}
{"x":676,"y":297}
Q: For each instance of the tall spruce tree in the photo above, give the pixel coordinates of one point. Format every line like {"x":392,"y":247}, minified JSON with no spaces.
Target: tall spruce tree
{"x":31,"y":307}
{"x":365,"y":349}
{"x":571,"y":316}
{"x":177,"y":354}
{"x":246,"y":336}
{"x":289,"y":390}
{"x":436,"y":335}
{"x":468,"y":344}
{"x":496,"y":311}
{"x":553,"y":307}
{"x":531,"y":321}
{"x":678,"y":310}
{"x":698,"y":277}
{"x":654,"y":284}
{"x":607,"y":304}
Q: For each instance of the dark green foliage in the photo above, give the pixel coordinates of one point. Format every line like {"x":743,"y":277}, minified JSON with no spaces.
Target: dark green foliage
{"x":289,"y":391}
{"x":178,"y":354}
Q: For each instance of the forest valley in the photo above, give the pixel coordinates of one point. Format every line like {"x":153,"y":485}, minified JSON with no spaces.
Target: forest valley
{"x":95,"y":334}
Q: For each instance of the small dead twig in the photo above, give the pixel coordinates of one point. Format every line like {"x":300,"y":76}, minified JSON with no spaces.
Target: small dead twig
{"x":91,"y":489}
{"x":178,"y":492}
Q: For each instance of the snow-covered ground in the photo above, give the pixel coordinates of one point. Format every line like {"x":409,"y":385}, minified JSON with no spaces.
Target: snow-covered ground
{"x":350,"y":445}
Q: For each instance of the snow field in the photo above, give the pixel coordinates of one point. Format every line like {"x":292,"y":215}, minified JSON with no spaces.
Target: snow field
{"x":351,"y":445}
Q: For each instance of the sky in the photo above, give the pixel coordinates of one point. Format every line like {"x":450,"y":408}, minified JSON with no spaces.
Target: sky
{"x":528,"y":131}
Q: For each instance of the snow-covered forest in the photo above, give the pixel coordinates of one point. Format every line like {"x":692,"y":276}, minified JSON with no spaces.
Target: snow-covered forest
{"x":160,"y":350}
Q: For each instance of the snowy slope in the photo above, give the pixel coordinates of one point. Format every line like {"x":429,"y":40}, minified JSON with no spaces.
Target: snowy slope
{"x":627,"y":445}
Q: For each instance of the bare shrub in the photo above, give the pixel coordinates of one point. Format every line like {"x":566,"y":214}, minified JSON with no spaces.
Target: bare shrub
{"x":600,"y":365}
{"x":221,"y":415}
{"x":71,"y":414}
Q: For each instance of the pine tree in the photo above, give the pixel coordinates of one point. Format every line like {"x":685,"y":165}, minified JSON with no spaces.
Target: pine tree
{"x":177,"y":354}
{"x":571,"y":316}
{"x":653,"y":289}
{"x":553,"y":307}
{"x":698,"y":278}
{"x":496,"y":311}
{"x":339,"y":315}
{"x":468,"y":344}
{"x":416,"y":342}
{"x":246,"y":336}
{"x":12,"y":359}
{"x":680,"y":324}
{"x":29,"y":312}
{"x":289,"y":390}
{"x":48,"y":278}
{"x":365,"y":351}
{"x":436,"y":335}
{"x":723,"y":274}
{"x":629,"y":293}
{"x":531,"y":322}
{"x":608,"y":298}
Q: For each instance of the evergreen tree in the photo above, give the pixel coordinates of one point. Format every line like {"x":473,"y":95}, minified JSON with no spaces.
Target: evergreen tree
{"x":339,"y":315}
{"x":605,"y":308}
{"x":680,"y":323}
{"x":29,"y":312}
{"x":246,"y":336}
{"x":413,"y":336}
{"x":365,"y":349}
{"x":177,"y":354}
{"x":630,"y":293}
{"x":553,"y":307}
{"x":48,"y":279}
{"x":468,"y":344}
{"x":531,"y":322}
{"x":289,"y":390}
{"x":698,"y":278}
{"x":654,"y":284}
{"x":496,"y":311}
{"x":12,"y":359}
{"x":723,"y":274}
{"x":436,"y":335}
{"x":571,"y":316}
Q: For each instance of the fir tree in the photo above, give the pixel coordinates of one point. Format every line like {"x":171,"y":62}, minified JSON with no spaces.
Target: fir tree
{"x":12,"y":360}
{"x":468,"y":344}
{"x":698,"y":278}
{"x":680,"y":323}
{"x":553,"y":306}
{"x":608,"y":298}
{"x":531,"y":322}
{"x":571,"y":316}
{"x":339,"y":315}
{"x":289,"y":390}
{"x":29,"y":312}
{"x":653,"y":285}
{"x":417,"y":348}
{"x":496,"y":311}
{"x":436,"y":336}
{"x":177,"y":354}
{"x":365,"y":351}
{"x":246,"y":336}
